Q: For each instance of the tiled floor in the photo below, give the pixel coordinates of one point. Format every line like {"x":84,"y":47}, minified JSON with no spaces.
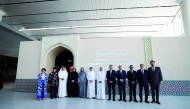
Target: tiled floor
{"x":22,"y":100}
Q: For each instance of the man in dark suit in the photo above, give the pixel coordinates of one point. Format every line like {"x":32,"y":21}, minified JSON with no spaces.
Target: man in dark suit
{"x":142,"y":80}
{"x":155,"y":79}
{"x":111,"y":79}
{"x":121,"y":77}
{"x":132,"y":78}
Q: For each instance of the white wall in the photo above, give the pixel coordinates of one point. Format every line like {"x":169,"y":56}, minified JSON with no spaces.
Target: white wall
{"x":87,"y":49}
{"x":29,"y":60}
{"x":173,"y":56}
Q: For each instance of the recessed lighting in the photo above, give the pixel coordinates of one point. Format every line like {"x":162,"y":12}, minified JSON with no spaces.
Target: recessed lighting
{"x":38,"y":29}
{"x":71,"y":27}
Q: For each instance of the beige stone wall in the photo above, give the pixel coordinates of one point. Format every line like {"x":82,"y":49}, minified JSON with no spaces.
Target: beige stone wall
{"x":88,"y":49}
{"x":29,"y":60}
{"x":173,"y":56}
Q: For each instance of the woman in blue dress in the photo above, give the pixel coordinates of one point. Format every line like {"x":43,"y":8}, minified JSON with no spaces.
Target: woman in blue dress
{"x":42,"y":83}
{"x":82,"y":83}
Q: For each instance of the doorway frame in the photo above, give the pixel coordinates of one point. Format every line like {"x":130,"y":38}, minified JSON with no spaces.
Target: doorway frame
{"x":50,"y":43}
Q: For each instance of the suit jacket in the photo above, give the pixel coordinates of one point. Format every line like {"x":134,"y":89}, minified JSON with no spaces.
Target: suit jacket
{"x":121,"y":76}
{"x":142,"y":78}
{"x":156,"y":76}
{"x":132,"y":76}
{"x":111,"y":77}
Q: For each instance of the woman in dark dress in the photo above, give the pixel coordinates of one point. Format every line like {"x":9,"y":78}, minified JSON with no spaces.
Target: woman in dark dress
{"x":73,"y":85}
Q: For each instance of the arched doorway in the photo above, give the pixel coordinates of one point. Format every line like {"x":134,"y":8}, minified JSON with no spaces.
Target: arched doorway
{"x":65,"y":58}
{"x":59,"y":56}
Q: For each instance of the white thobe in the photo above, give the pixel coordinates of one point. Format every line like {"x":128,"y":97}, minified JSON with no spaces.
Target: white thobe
{"x":62,"y":91}
{"x":91,"y":86}
{"x":101,"y":76}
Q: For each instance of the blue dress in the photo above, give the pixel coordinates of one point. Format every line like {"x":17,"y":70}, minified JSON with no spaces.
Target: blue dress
{"x":42,"y":90}
{"x":82,"y":87}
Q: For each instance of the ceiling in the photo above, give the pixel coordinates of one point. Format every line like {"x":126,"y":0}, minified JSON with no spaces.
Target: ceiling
{"x":12,"y":48}
{"x":89,"y":18}
{"x":10,"y":40}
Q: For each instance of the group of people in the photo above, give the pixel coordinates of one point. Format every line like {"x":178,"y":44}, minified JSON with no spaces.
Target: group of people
{"x":143,"y":78}
{"x":83,"y":84}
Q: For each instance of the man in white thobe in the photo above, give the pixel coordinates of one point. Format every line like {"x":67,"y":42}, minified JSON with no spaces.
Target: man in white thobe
{"x":101,"y":77}
{"x":63,"y":74}
{"x":91,"y":76}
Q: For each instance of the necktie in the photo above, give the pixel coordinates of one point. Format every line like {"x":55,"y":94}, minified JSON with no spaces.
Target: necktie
{"x":121,"y":72}
{"x":110,"y":72}
{"x":143,"y":72}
